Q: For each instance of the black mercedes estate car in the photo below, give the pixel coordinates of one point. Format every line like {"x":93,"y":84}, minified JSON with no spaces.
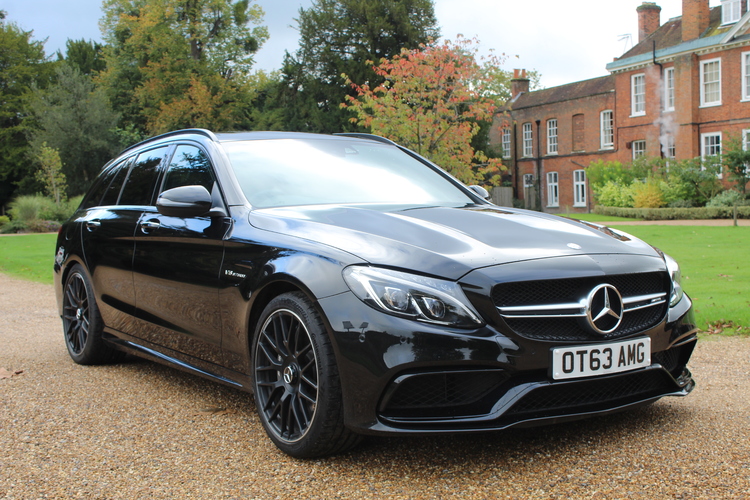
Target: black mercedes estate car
{"x":356,"y":288}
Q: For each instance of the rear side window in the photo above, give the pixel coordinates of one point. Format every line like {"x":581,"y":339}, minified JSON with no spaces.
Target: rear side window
{"x":189,"y":167}
{"x":139,"y":187}
{"x":113,"y":192}
{"x":95,"y":195}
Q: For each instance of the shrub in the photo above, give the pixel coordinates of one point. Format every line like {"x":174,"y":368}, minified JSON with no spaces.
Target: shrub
{"x":4,"y":219}
{"x":61,"y":212}
{"x":14,"y":226}
{"x":674,"y":213}
{"x":38,"y":214}
{"x":727,"y":198}
{"x":647,"y":195}
{"x":613,"y":194}
{"x":681,"y":204}
{"x":42,"y":226}
{"x":29,"y":208}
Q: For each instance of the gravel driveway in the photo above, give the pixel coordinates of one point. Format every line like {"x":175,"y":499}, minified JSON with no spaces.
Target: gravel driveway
{"x":141,"y":430}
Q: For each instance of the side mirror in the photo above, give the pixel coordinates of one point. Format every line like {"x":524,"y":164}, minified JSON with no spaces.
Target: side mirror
{"x":184,"y":201}
{"x":480,"y":191}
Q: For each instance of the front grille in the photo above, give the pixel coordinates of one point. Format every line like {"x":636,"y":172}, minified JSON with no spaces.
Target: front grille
{"x":558,"y":326}
{"x":442,"y":393}
{"x":589,"y":394}
{"x":521,"y":293}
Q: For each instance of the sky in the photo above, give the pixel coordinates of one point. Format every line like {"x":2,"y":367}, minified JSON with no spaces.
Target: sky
{"x":564,"y":40}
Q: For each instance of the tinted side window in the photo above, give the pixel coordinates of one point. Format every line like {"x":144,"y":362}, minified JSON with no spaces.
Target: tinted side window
{"x":113,"y":192}
{"x":189,"y":167}
{"x":95,"y":194}
{"x":139,"y":187}
{"x":97,"y":190}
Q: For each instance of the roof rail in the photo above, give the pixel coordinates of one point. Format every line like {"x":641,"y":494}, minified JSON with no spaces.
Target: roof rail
{"x":198,"y":131}
{"x":371,"y":137}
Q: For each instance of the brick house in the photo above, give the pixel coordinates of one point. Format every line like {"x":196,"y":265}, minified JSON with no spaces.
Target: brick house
{"x":681,"y":92}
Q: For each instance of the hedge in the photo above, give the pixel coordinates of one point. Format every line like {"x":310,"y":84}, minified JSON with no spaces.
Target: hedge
{"x":675,"y":213}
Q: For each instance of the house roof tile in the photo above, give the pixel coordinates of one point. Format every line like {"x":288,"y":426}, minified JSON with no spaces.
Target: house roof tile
{"x":576,"y":90}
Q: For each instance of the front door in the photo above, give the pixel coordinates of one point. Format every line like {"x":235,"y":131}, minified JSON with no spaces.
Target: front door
{"x":176,"y":267}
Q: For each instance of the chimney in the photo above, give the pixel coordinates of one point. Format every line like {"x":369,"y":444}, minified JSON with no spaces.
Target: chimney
{"x":519,"y":83}
{"x":694,"y":19}
{"x":648,"y":19}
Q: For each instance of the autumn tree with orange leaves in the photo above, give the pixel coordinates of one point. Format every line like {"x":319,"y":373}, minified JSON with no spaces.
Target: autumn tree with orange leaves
{"x":433,"y":101}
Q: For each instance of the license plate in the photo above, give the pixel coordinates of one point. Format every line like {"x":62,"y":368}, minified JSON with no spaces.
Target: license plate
{"x":600,"y":359}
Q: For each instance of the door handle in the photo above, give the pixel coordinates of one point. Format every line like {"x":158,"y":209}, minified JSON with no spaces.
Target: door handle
{"x":149,"y":225}
{"x":92,"y":225}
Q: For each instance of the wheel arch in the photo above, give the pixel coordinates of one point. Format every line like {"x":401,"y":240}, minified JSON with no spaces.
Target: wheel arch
{"x":279,"y":285}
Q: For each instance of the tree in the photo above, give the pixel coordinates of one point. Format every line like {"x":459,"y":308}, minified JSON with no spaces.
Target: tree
{"x":181,"y":63}
{"x":737,"y":161}
{"x":337,"y":37}
{"x":75,"y":119}
{"x":497,"y":84}
{"x":22,"y":64}
{"x":50,"y":173}
{"x":432,"y":102}
{"x":86,"y":56}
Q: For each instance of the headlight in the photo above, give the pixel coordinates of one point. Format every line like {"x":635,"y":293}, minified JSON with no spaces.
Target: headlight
{"x":411,"y":296}
{"x":674,"y":271}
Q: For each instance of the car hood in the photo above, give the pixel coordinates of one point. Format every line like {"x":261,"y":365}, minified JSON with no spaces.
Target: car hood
{"x":443,"y":241}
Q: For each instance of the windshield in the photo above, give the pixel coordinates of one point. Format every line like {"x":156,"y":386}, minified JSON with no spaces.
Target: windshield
{"x":288,"y":172}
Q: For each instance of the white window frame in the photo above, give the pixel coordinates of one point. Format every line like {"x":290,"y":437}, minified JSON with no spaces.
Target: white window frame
{"x":745,"y":63}
{"x":528,"y":140}
{"x":639,"y":148}
{"x":553,"y":190}
{"x":607,"y":129}
{"x":715,"y":101}
{"x":669,"y":94}
{"x":708,"y":149}
{"x":638,"y":95}
{"x":506,"y":142}
{"x":671,"y":148}
{"x":731,"y":11}
{"x":705,"y":138}
{"x":579,"y":188}
{"x":552,"y":136}
{"x":746,"y":145}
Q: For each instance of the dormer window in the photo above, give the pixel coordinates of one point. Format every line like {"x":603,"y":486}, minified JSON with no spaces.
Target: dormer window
{"x":731,"y":11}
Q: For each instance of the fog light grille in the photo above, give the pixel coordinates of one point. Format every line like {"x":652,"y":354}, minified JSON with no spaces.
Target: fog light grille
{"x":443,"y":390}
{"x":549,"y":399}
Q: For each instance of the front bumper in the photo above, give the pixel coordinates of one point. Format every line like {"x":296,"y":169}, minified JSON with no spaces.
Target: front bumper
{"x":399,"y":376}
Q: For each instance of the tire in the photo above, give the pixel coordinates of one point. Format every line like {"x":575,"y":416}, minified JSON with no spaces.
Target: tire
{"x":296,"y":380}
{"x":82,"y":323}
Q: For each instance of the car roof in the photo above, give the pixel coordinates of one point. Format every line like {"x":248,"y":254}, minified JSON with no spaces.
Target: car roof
{"x":256,"y":136}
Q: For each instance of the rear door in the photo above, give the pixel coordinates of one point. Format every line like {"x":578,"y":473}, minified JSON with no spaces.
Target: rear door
{"x":176,"y":266}
{"x":108,"y":230}
{"x":107,"y":242}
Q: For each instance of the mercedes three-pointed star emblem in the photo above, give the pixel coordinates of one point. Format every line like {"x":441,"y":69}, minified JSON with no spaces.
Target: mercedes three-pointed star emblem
{"x":604,"y":309}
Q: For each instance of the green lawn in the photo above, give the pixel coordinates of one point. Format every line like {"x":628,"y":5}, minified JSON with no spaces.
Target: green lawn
{"x":28,"y":256}
{"x":714,"y":262}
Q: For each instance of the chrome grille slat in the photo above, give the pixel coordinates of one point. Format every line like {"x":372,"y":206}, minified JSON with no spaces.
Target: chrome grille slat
{"x":654,"y":299}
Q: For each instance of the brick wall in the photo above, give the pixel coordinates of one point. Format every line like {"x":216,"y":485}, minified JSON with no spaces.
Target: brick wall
{"x":568,"y":159}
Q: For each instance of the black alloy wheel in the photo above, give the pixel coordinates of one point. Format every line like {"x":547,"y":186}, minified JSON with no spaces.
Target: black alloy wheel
{"x":297,"y":390}
{"x":82,"y":323}
{"x":76,"y":314}
{"x":286,"y":374}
